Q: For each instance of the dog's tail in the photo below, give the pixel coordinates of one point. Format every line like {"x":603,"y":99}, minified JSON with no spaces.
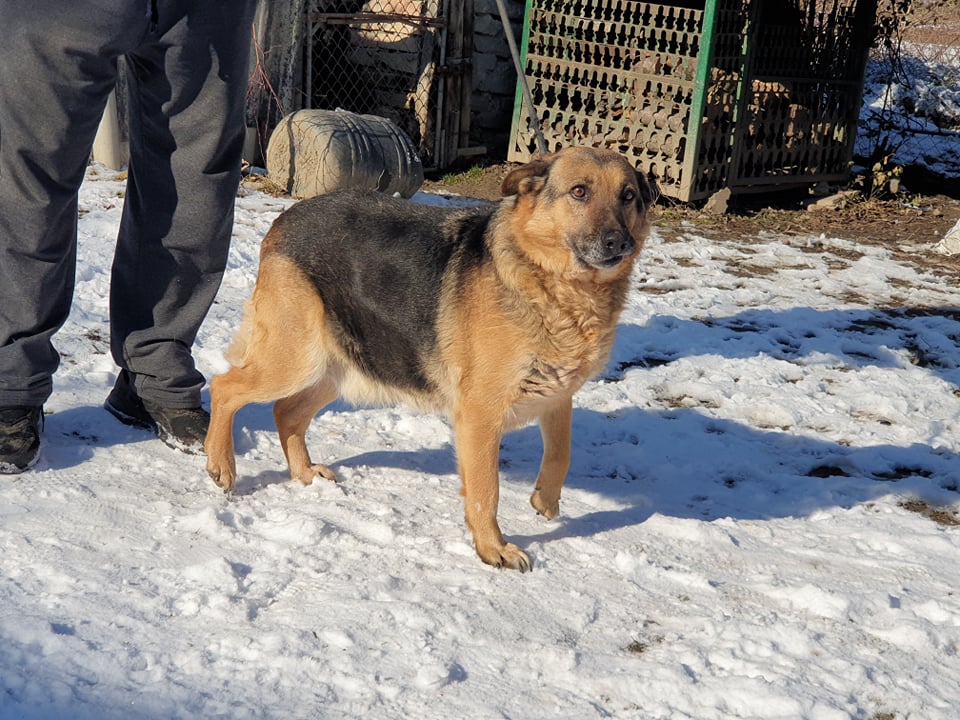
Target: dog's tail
{"x":238,"y":354}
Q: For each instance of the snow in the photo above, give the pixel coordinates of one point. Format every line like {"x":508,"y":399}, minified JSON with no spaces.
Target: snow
{"x":742,"y":533}
{"x":913,"y":115}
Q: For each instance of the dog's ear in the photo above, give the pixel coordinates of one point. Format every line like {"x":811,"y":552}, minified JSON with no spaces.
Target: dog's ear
{"x":526,"y":178}
{"x":648,"y":191}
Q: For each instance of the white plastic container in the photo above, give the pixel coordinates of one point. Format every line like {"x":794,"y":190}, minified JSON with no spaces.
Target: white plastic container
{"x":313,"y":152}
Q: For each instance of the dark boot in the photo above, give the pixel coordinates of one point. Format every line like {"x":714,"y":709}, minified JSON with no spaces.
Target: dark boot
{"x":19,"y":438}
{"x":183,"y":429}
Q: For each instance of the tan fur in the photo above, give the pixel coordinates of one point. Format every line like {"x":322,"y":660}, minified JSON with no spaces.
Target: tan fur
{"x":517,"y":338}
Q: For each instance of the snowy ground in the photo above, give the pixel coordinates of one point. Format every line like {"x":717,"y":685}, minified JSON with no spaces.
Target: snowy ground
{"x":914,"y":114}
{"x":757,"y":522}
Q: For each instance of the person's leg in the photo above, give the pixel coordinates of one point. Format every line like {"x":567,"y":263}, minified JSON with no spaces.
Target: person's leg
{"x":57,"y":67}
{"x":56,"y":73}
{"x":187,"y":91}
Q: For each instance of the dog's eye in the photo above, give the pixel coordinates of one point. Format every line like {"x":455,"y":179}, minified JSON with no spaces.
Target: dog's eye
{"x":579,"y":192}
{"x":629,"y":195}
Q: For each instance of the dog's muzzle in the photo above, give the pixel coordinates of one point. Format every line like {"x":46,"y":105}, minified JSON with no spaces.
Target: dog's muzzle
{"x":608,"y":250}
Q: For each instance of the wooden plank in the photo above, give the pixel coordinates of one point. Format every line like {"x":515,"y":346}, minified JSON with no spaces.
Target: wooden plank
{"x":466,"y":81}
{"x":452,"y":84}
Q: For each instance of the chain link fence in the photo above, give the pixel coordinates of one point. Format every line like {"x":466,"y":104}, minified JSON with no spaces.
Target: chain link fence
{"x":411,"y":61}
{"x":911,"y":111}
{"x":377,"y":57}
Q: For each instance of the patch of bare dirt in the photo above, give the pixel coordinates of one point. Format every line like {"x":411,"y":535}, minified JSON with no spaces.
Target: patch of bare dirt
{"x":940,"y":515}
{"x":479,"y":182}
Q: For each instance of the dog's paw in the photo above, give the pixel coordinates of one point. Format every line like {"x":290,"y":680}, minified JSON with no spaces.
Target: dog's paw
{"x":548,"y":508}
{"x":307,"y":474}
{"x":221,"y":478}
{"x":508,"y":556}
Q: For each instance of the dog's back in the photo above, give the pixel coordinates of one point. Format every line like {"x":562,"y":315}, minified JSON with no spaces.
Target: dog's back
{"x":378,"y":263}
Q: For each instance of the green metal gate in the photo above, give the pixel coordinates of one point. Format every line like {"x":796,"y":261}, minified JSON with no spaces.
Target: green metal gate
{"x":702,"y":95}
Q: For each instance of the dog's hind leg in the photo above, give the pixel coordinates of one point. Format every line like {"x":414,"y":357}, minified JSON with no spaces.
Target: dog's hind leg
{"x":278,"y":352}
{"x":555,"y":429}
{"x":292,"y":416}
{"x":228,"y":393}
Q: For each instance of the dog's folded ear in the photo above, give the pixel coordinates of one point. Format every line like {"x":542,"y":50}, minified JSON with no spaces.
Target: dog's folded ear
{"x":649,"y":192}
{"x":526,"y":178}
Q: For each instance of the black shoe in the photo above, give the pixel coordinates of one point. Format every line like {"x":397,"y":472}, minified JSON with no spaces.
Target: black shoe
{"x":19,"y":438}
{"x":183,"y":429}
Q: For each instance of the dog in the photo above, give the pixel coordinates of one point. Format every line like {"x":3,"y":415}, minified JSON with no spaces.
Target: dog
{"x":493,"y":315}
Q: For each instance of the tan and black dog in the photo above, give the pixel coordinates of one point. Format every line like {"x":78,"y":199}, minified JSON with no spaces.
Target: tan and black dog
{"x":492,"y":315}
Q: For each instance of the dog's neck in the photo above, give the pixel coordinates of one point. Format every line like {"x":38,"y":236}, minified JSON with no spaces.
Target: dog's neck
{"x":575,"y":313}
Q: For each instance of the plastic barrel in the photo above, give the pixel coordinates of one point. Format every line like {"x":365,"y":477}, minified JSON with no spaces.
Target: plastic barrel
{"x":313,"y":152}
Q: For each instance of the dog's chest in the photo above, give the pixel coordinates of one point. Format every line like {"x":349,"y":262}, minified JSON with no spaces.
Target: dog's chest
{"x":572,"y":347}
{"x":545,"y":380}
{"x":564,"y":369}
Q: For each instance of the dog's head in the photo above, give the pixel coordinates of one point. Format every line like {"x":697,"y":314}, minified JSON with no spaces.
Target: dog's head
{"x":580,"y":210}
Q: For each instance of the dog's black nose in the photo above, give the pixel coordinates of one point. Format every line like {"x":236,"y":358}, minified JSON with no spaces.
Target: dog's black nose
{"x":617,"y":243}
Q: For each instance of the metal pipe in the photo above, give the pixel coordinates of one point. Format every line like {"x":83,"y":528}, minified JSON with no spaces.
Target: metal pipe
{"x":522,"y":78}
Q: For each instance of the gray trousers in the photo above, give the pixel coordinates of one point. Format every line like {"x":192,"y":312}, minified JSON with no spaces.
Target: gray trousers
{"x":187,"y":63}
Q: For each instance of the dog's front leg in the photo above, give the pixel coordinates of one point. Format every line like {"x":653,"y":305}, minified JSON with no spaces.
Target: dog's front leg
{"x":478,"y":450}
{"x":555,"y":429}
